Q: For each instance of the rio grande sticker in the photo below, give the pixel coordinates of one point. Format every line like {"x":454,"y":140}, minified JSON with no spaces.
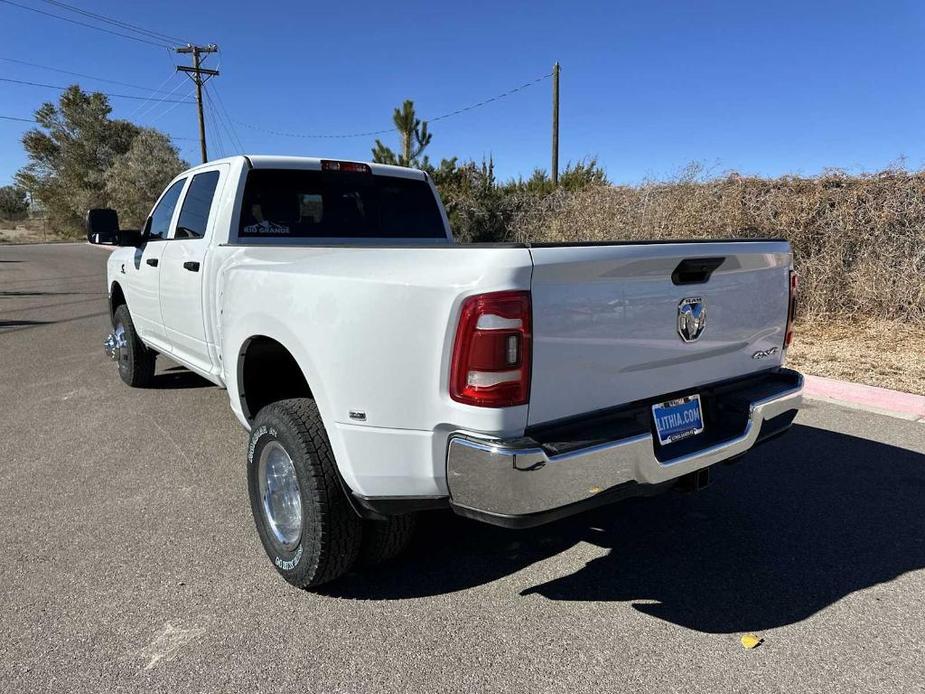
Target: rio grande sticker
{"x":266,"y":227}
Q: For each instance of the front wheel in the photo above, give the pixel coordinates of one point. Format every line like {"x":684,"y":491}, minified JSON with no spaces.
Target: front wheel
{"x":304,"y":520}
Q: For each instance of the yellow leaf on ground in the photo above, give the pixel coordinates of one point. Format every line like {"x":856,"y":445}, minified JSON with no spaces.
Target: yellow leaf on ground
{"x":750,"y":641}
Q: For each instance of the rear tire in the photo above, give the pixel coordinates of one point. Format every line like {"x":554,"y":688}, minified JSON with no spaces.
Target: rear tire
{"x":386,"y":539}
{"x":136,"y":361}
{"x":305,"y":522}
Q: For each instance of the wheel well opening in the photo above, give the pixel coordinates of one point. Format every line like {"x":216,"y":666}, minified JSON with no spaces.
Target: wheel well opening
{"x":267,"y":372}
{"x":116,"y":298}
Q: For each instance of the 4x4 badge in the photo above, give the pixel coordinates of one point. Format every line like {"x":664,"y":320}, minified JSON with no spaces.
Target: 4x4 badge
{"x":764,"y":353}
{"x":692,"y":318}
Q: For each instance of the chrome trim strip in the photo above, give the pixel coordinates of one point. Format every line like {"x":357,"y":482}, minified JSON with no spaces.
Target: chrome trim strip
{"x":417,"y":497}
{"x":486,"y":474}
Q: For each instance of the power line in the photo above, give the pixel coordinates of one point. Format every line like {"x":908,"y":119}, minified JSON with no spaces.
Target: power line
{"x":118,"y":96}
{"x":164,"y":113}
{"x":144,"y":109}
{"x":226,"y":119}
{"x":32,"y":120}
{"x":116,"y":22}
{"x":233,"y":133}
{"x":471,"y":107}
{"x":151,"y":96}
{"x":222,"y":112}
{"x":84,"y":24}
{"x":89,"y":77}
{"x":489,"y":100}
{"x":212,"y":112}
{"x":219,"y":140}
{"x":309,"y":136}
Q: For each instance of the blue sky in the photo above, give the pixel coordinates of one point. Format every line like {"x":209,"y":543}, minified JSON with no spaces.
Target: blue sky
{"x":763,"y":88}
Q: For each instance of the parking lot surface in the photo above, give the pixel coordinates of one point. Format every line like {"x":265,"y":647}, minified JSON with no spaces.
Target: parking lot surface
{"x":129,"y":561}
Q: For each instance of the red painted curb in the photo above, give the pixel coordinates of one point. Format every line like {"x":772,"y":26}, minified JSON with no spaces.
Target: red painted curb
{"x":905,"y":404}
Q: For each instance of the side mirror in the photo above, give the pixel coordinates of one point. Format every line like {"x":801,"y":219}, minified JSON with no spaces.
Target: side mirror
{"x":103,"y":229}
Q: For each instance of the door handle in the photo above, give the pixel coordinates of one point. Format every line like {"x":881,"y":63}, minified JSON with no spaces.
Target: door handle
{"x":191,"y":265}
{"x":152,"y":262}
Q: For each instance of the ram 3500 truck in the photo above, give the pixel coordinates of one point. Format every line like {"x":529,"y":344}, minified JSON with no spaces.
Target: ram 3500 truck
{"x":382,"y":369}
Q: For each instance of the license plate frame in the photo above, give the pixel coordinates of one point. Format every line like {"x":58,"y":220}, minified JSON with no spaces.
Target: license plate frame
{"x":687,"y":425}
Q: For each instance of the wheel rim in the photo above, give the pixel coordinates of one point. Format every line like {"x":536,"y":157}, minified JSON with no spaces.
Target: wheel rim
{"x":121,"y":345}
{"x":280,"y":495}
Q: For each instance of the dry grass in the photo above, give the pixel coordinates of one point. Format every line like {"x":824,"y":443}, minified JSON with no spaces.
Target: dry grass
{"x":889,"y":354}
{"x":858,"y":241}
{"x":26,"y":231}
{"x":18,"y":235}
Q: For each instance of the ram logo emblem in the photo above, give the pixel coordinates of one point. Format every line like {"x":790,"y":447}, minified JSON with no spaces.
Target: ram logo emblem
{"x":692,"y":318}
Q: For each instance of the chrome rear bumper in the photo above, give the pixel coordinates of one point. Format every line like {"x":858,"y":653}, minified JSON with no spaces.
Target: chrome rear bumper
{"x":497,"y":479}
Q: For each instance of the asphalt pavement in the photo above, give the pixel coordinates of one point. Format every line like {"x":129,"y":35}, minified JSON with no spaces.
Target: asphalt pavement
{"x":129,"y":560}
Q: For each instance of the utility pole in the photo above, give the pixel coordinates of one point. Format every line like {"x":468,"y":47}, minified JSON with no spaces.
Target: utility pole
{"x":555,"y":124}
{"x":196,"y":74}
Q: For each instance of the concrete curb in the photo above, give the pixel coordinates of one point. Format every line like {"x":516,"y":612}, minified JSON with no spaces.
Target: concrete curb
{"x":871,"y":398}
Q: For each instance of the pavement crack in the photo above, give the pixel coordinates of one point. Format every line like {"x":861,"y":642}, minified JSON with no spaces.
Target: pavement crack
{"x":189,"y":463}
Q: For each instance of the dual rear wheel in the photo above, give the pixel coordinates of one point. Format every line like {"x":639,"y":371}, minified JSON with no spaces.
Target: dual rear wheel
{"x":303,"y":517}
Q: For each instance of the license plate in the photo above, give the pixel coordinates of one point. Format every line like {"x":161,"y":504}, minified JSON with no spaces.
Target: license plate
{"x":678,"y":419}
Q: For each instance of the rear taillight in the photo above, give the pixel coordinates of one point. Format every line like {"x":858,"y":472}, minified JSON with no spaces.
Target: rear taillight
{"x":791,"y":308}
{"x":491,"y":354}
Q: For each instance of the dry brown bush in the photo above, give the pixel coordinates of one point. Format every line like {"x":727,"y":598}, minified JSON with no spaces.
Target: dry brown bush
{"x":858,"y":241}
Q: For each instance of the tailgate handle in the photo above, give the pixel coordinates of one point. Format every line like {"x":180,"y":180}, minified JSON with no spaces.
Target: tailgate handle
{"x":695,"y":270}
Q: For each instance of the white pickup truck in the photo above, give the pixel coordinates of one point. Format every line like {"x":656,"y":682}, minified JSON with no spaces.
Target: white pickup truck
{"x":382,"y":369}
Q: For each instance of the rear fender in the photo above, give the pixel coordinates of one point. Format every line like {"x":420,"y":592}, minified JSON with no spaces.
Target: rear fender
{"x":267,"y":326}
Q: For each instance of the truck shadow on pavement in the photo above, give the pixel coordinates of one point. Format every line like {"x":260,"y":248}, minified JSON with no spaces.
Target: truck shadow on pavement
{"x":799,"y":524}
{"x":178,"y":377}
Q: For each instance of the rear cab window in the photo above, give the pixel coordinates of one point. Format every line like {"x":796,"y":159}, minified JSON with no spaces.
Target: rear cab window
{"x":194,"y":214}
{"x":311,"y":204}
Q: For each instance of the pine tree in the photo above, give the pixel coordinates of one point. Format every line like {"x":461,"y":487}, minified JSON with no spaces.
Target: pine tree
{"x":414,"y":140}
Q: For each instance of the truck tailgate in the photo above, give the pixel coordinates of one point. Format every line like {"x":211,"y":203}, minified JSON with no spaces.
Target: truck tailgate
{"x":605,"y":320}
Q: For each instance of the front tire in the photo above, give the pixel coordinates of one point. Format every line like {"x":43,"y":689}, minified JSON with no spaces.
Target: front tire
{"x":306,"y":525}
{"x":136,"y":361}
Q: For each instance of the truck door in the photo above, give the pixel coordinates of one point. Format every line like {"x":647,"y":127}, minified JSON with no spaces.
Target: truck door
{"x":183,"y":269}
{"x":142,"y":275}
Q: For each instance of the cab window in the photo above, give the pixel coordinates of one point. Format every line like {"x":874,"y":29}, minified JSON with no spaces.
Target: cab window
{"x":305,"y":204}
{"x":159,"y":222}
{"x":194,"y":215}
